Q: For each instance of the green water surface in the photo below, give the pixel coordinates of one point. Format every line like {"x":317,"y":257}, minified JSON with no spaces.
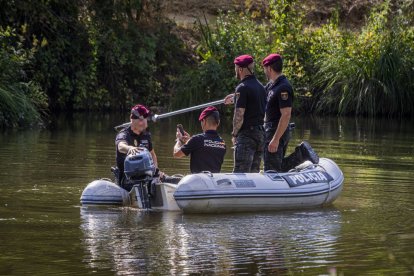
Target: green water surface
{"x":44,"y":231}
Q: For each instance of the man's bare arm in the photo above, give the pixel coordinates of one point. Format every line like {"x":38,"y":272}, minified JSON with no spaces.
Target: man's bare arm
{"x":123,"y":147}
{"x":283,"y":122}
{"x":238,"y":120}
{"x":178,"y":153}
{"x":229,"y":99}
{"x":177,"y":150}
{"x":154,"y":158}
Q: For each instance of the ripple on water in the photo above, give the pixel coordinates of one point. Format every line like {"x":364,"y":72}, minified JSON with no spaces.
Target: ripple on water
{"x":369,"y":230}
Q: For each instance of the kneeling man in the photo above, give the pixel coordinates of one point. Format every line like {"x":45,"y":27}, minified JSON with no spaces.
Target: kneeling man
{"x":206,"y":149}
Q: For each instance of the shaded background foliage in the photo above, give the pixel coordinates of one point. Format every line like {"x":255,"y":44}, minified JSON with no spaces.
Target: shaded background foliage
{"x":370,"y":72}
{"x":335,"y":70}
{"x":106,"y":55}
{"x":96,"y":54}
{"x":21,"y":99}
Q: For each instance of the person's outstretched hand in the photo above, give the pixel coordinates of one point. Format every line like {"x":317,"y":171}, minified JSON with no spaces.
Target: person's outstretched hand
{"x":229,"y":99}
{"x":183,"y":138}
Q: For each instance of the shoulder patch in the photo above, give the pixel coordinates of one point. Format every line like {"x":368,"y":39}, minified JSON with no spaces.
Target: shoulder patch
{"x":240,"y":86}
{"x":284,"y":95}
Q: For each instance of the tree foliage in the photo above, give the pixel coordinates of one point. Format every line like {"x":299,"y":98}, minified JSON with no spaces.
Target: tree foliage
{"x":96,"y":54}
{"x":333,"y":70}
{"x":21,"y":100}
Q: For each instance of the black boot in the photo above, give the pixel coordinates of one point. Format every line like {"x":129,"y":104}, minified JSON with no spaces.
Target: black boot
{"x":294,"y":159}
{"x":308,"y":153}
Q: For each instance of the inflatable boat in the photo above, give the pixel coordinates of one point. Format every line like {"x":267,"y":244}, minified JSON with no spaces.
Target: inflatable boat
{"x":308,"y":185}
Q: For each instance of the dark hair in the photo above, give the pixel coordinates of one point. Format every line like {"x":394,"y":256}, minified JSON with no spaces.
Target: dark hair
{"x":213,"y":118}
{"x":277,"y":66}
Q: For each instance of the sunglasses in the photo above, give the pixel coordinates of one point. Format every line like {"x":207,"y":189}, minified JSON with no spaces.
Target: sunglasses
{"x":141,"y":117}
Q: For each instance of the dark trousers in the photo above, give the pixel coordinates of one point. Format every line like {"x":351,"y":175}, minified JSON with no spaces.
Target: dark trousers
{"x":248,"y":151}
{"x":276,"y":161}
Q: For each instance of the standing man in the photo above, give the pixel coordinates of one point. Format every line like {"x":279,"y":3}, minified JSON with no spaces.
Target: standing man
{"x":130,"y":139}
{"x":206,"y":149}
{"x":248,"y":131}
{"x":278,"y":113}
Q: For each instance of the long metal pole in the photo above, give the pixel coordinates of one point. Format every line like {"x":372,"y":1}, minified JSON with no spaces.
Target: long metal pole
{"x":173,"y":113}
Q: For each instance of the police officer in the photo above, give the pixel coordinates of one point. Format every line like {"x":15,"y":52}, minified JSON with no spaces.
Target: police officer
{"x":130,"y":139}
{"x":206,"y":149}
{"x":278,"y":112}
{"x":248,"y":131}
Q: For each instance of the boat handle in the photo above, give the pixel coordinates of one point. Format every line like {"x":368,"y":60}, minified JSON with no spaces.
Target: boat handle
{"x":224,"y":182}
{"x":272,"y":171}
{"x":208,"y":173}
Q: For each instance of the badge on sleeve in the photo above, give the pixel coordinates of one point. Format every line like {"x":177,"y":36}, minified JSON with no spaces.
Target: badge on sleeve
{"x":284,"y":95}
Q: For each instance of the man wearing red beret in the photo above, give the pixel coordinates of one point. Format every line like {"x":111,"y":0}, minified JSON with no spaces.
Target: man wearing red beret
{"x":248,"y":131}
{"x":206,"y":149}
{"x":130,"y":139}
{"x":278,"y":113}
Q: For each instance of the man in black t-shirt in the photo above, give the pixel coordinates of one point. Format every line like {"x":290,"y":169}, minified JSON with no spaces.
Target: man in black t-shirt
{"x":206,"y":149}
{"x":248,"y":131}
{"x":130,"y":139}
{"x":278,"y":112}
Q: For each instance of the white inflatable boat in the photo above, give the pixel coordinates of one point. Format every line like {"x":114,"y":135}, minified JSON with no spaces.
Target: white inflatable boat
{"x":308,"y":186}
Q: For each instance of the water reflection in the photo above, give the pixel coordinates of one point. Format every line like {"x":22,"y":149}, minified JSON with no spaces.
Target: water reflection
{"x":43,"y":173}
{"x":128,"y":241}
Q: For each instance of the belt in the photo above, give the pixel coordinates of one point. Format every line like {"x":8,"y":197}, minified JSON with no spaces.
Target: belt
{"x":258,"y":127}
{"x":268,"y":125}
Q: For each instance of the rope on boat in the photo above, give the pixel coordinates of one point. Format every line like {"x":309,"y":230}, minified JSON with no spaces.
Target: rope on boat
{"x":329,"y":183}
{"x":272,"y":171}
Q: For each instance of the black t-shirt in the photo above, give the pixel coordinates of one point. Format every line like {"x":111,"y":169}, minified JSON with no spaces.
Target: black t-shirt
{"x":252,"y":97}
{"x":279,"y":95}
{"x":206,"y":152}
{"x":132,"y":139}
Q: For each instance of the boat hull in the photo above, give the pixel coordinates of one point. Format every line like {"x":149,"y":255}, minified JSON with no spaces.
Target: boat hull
{"x":208,"y":193}
{"x":308,"y":187}
{"x":104,"y":192}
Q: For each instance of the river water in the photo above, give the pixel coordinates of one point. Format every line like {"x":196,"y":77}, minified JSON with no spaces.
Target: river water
{"x":44,"y":231}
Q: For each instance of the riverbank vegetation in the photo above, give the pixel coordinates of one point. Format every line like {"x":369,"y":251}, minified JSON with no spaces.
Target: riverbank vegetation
{"x":106,"y":55}
{"x":22,"y":100}
{"x":368,"y":71}
{"x":87,"y":55}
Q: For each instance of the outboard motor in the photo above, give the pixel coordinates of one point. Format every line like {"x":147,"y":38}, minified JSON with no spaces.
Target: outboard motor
{"x":139,"y":170}
{"x":139,"y":165}
{"x":140,"y":176}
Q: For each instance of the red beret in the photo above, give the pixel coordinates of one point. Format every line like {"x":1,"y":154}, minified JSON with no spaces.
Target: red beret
{"x":140,"y":111}
{"x":243,"y":60}
{"x":270,"y":59}
{"x":206,"y":112}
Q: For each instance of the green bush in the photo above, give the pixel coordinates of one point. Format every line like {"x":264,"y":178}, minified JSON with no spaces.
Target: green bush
{"x":279,"y":30}
{"x":22,"y":102}
{"x":95,"y":55}
{"x":370,"y":72}
{"x":333,"y":70}
{"x":214,"y":77}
